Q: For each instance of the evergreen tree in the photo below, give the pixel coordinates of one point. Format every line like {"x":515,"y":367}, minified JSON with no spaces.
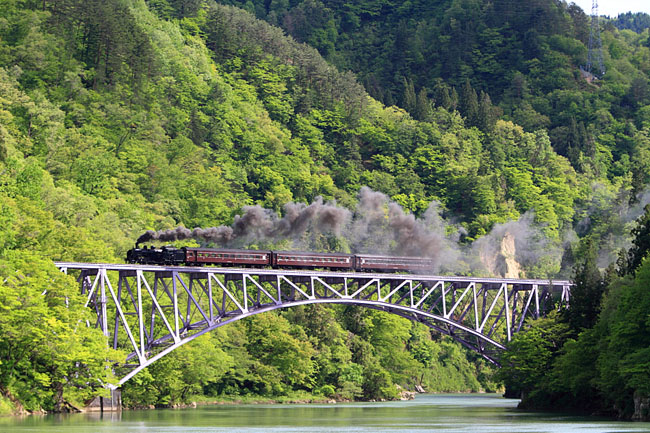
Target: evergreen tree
{"x":519,"y":86}
{"x":453,"y":99}
{"x":587,"y":291}
{"x":469,"y":104}
{"x":442,"y":95}
{"x":487,"y":115}
{"x":423,"y":106}
{"x":630,"y":262}
{"x":409,"y":101}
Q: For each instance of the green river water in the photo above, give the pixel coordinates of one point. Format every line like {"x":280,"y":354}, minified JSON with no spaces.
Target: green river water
{"x":428,"y":412}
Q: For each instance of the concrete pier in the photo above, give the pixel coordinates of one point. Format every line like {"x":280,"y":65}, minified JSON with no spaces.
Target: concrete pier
{"x":106,"y":404}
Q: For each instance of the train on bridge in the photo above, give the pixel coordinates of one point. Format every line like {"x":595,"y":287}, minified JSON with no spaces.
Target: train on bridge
{"x":168,"y":255}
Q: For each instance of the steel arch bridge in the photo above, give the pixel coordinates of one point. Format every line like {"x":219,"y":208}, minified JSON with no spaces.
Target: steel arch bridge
{"x":149,"y":311}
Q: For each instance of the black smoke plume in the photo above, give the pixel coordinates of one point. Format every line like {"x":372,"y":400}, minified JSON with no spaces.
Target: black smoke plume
{"x":379,"y":226}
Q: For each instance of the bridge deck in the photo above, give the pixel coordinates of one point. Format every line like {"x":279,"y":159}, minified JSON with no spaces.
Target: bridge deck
{"x":265,"y":271}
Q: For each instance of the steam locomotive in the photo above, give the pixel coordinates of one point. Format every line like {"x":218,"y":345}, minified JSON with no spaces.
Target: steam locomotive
{"x":275,"y":259}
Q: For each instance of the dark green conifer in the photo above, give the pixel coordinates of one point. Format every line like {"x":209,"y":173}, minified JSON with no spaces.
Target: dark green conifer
{"x":469,"y":104}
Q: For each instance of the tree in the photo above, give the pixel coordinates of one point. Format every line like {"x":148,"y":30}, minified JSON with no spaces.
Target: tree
{"x":409,"y":100}
{"x":529,"y":358}
{"x":469,"y":104}
{"x":281,"y":347}
{"x":441,"y":94}
{"x":48,"y":359}
{"x":180,"y":376}
{"x":487,"y":113}
{"x":624,"y":359}
{"x":640,"y":244}
{"x":185,"y":8}
{"x":587,"y":291}
{"x":423,"y":106}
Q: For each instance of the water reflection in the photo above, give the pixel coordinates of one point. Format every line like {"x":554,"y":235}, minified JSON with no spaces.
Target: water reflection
{"x":441,"y":413}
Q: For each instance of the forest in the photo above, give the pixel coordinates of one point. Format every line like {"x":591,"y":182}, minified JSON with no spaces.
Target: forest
{"x":121,"y":116}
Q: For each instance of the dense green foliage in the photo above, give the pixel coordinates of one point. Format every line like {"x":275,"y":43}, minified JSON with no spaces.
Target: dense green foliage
{"x":118,"y":116}
{"x":637,"y":22}
{"x":597,"y":360}
{"x":524,"y":57}
{"x":47,"y":359}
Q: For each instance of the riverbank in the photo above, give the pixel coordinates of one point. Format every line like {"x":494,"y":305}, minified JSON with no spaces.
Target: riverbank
{"x":7,"y":408}
{"x":293,"y":398}
{"x":298,"y":398}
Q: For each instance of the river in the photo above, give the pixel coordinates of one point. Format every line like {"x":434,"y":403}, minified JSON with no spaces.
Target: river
{"x":428,"y":412}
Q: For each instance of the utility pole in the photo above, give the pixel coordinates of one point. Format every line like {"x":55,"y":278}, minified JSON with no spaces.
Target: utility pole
{"x":595,"y":55}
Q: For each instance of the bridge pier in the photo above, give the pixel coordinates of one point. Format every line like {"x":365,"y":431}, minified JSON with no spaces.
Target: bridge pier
{"x":113,"y":403}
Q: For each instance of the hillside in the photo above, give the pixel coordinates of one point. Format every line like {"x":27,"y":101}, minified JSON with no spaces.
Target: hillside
{"x":121,"y":116}
{"x":523,"y":57}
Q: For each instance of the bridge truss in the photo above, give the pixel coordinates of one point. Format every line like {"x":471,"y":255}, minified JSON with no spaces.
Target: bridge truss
{"x":149,"y":311}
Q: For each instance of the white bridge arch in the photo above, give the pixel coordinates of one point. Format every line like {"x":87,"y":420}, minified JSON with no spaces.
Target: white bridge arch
{"x":149,"y":311}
